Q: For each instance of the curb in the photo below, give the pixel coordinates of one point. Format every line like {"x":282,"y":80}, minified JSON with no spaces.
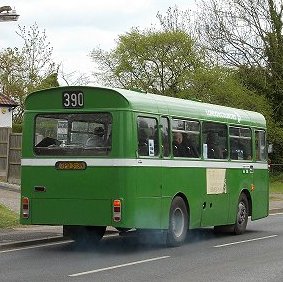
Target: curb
{"x":10,"y":187}
{"x":273,"y":211}
{"x":33,"y":242}
{"x":45,"y":240}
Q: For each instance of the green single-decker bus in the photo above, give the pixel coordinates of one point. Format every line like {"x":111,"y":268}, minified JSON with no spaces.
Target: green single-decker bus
{"x":96,"y":157}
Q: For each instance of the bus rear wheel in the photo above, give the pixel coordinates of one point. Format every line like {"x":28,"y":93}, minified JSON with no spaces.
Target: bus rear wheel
{"x":178,"y":223}
{"x":242,"y":215}
{"x":84,"y":233}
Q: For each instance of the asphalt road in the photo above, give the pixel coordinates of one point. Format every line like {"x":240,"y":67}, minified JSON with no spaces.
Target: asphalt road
{"x":256,"y":255}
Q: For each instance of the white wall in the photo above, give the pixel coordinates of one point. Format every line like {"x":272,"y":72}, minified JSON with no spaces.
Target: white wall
{"x":5,"y":117}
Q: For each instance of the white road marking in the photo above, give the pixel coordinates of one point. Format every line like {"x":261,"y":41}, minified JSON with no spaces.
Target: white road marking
{"x":117,"y":266}
{"x":36,"y":246}
{"x":245,"y":241}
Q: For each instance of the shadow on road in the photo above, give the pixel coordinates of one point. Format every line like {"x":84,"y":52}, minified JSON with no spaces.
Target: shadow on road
{"x":133,"y":242}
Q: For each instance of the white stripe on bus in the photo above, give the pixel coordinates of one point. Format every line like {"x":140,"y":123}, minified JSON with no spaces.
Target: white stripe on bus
{"x":147,"y":163}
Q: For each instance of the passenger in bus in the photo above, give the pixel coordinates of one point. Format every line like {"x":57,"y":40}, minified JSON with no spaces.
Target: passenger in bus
{"x":245,"y":145}
{"x":191,"y":145}
{"x":97,"y":140}
{"x":240,"y":150}
{"x":179,"y":147}
{"x":213,"y":148}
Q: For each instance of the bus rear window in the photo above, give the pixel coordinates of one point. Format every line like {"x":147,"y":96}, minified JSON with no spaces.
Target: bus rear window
{"x":73,"y":134}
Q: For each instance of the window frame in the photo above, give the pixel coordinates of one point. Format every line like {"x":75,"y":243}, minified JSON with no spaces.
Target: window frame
{"x":205,"y":149}
{"x":66,"y":149}
{"x":265,"y":145}
{"x":157,"y":154}
{"x":239,"y":137}
{"x":169,"y":137}
{"x":184,"y":130}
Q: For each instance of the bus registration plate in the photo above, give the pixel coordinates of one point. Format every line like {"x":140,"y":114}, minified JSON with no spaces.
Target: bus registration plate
{"x":70,"y":165}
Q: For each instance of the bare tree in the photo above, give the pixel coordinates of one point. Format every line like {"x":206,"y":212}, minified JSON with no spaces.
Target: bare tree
{"x":235,"y":31}
{"x":29,"y":68}
{"x":74,"y":77}
{"x":175,"y":19}
{"x":247,"y":33}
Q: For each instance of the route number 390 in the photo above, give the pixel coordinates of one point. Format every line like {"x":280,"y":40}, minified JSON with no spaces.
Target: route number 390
{"x":74,"y":99}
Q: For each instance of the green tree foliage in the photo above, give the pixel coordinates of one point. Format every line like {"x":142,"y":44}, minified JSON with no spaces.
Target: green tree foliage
{"x":29,"y":68}
{"x":222,"y":86}
{"x":171,"y":62}
{"x":247,"y":35}
{"x":161,"y":62}
{"x":274,"y":54}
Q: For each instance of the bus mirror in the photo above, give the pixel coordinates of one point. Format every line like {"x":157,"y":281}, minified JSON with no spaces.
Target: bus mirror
{"x":270,"y":148}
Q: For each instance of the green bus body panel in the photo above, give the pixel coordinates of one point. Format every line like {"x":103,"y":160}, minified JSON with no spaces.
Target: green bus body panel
{"x":260,"y":196}
{"x":85,"y":197}
{"x":94,"y":98}
{"x":70,"y":195}
{"x":146,"y":205}
{"x":237,"y":181}
{"x":71,"y":212}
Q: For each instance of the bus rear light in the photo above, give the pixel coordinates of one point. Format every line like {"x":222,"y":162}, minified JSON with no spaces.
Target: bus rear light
{"x":117,"y":210}
{"x":25,"y":207}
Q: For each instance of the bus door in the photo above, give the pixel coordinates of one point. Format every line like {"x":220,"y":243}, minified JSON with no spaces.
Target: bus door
{"x":260,"y":184}
{"x":216,"y":201}
{"x":149,"y":173}
{"x":242,"y":176}
{"x":215,"y":206}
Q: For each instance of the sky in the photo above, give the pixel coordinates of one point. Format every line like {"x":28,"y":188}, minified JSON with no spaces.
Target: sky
{"x":74,"y":28}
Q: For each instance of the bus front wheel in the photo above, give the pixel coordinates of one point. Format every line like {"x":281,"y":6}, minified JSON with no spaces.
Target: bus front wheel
{"x":178,"y":223}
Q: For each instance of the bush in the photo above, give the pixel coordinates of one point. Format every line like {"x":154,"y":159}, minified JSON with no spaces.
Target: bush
{"x":17,"y":128}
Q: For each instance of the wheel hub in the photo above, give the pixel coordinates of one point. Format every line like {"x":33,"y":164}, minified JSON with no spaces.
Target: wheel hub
{"x":178,"y":222}
{"x":242,"y":212}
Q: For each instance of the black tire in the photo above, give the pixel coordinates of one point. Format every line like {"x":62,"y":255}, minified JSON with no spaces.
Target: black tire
{"x":242,"y":215}
{"x":84,"y":233}
{"x":95,"y":233}
{"x":178,"y":223}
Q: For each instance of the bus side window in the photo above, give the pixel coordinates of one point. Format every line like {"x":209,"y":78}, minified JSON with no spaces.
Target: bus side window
{"x":147,"y":136}
{"x":186,"y":138}
{"x":215,"y":140}
{"x":260,"y":144}
{"x":240,"y":143}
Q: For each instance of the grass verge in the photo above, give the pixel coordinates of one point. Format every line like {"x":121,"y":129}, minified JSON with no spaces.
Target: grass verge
{"x":276,"y":183}
{"x":8,"y":219}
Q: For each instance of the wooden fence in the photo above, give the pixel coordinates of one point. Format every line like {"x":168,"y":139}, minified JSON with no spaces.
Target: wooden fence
{"x":10,"y":155}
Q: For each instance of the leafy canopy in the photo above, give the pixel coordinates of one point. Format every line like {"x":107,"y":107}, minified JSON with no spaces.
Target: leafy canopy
{"x":160,"y":62}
